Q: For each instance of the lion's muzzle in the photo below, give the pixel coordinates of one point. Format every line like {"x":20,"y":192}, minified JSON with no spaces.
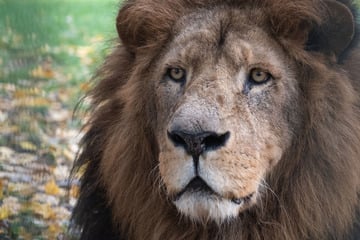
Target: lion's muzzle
{"x":197,"y":185}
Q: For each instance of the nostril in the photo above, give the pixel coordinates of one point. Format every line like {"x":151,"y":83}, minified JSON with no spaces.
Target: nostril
{"x":177,"y":139}
{"x":215,"y":141}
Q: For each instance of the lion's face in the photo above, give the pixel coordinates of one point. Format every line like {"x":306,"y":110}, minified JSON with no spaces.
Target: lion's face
{"x":224,"y":89}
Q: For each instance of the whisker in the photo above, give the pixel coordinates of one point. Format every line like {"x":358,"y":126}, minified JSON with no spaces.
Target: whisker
{"x":158,"y":182}
{"x":268,"y":188}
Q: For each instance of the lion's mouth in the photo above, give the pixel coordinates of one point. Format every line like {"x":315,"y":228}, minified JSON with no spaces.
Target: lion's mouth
{"x":197,"y":184}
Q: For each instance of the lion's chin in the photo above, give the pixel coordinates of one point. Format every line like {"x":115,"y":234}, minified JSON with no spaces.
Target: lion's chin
{"x":204,"y":207}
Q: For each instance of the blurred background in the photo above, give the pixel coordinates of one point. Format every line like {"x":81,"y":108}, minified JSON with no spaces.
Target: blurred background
{"x":49,"y":49}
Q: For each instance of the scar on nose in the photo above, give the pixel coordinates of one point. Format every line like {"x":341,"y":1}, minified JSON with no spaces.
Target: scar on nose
{"x":220,"y":100}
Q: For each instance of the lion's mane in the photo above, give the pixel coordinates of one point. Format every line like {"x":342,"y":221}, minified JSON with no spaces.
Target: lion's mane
{"x":315,"y":186}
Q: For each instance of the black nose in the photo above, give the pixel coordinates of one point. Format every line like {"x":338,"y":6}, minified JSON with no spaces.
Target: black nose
{"x":196,"y":144}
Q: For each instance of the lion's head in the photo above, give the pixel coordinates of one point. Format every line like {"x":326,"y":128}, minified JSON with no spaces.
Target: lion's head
{"x":227,"y":103}
{"x":227,"y":114}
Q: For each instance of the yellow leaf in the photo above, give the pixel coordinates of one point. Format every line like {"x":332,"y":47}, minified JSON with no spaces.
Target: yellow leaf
{"x":4,"y":212}
{"x":54,"y":230}
{"x":44,"y":210}
{"x":32,"y":102}
{"x":27,"y":146}
{"x":23,"y":93}
{"x":85,"y":87}
{"x":43,"y":71}
{"x":74,"y":191}
{"x":52,"y":188}
{"x":5,"y":129}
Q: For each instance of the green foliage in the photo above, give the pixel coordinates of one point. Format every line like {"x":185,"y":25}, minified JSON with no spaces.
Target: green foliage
{"x":33,"y":31}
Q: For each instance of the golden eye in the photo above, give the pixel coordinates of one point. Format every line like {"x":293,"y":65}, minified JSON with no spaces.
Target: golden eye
{"x":176,"y":74}
{"x":259,"y":76}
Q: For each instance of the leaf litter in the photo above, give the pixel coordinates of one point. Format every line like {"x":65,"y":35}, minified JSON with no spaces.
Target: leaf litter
{"x":41,"y":81}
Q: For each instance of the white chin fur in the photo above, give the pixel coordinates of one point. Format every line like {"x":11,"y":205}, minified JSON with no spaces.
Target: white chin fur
{"x":203,"y":207}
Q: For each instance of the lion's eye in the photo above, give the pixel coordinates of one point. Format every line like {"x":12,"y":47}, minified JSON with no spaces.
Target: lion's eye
{"x":259,"y":76}
{"x":176,"y":74}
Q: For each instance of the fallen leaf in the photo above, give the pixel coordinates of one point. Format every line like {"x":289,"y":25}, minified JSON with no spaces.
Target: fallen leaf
{"x":74,"y":191}
{"x":23,"y":93}
{"x":27,"y":146}
{"x":53,"y":230}
{"x":32,"y":102}
{"x":4,"y":213}
{"x":5,"y":129}
{"x":52,"y":188}
{"x":85,"y":87}
{"x":44,"y":210}
{"x":44,"y":70}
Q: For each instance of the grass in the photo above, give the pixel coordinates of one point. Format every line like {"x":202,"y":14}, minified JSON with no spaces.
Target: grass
{"x":33,"y":30}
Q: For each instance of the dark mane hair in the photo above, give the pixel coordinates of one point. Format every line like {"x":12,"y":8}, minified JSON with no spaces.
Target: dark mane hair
{"x":316,"y":184}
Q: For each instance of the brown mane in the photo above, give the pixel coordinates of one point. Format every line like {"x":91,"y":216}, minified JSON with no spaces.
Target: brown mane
{"x":314,"y":188}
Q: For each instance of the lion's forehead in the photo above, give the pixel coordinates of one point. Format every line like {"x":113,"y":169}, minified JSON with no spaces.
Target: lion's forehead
{"x":225,"y":42}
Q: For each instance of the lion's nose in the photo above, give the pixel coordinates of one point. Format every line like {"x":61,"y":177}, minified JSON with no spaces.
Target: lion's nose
{"x":197,"y":143}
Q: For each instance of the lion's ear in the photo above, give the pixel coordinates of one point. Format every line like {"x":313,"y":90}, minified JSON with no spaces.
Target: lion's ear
{"x":336,"y":33}
{"x":327,"y":27}
{"x":143,"y":23}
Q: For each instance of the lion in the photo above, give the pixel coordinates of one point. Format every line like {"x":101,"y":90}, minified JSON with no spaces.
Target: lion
{"x":236,"y":119}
